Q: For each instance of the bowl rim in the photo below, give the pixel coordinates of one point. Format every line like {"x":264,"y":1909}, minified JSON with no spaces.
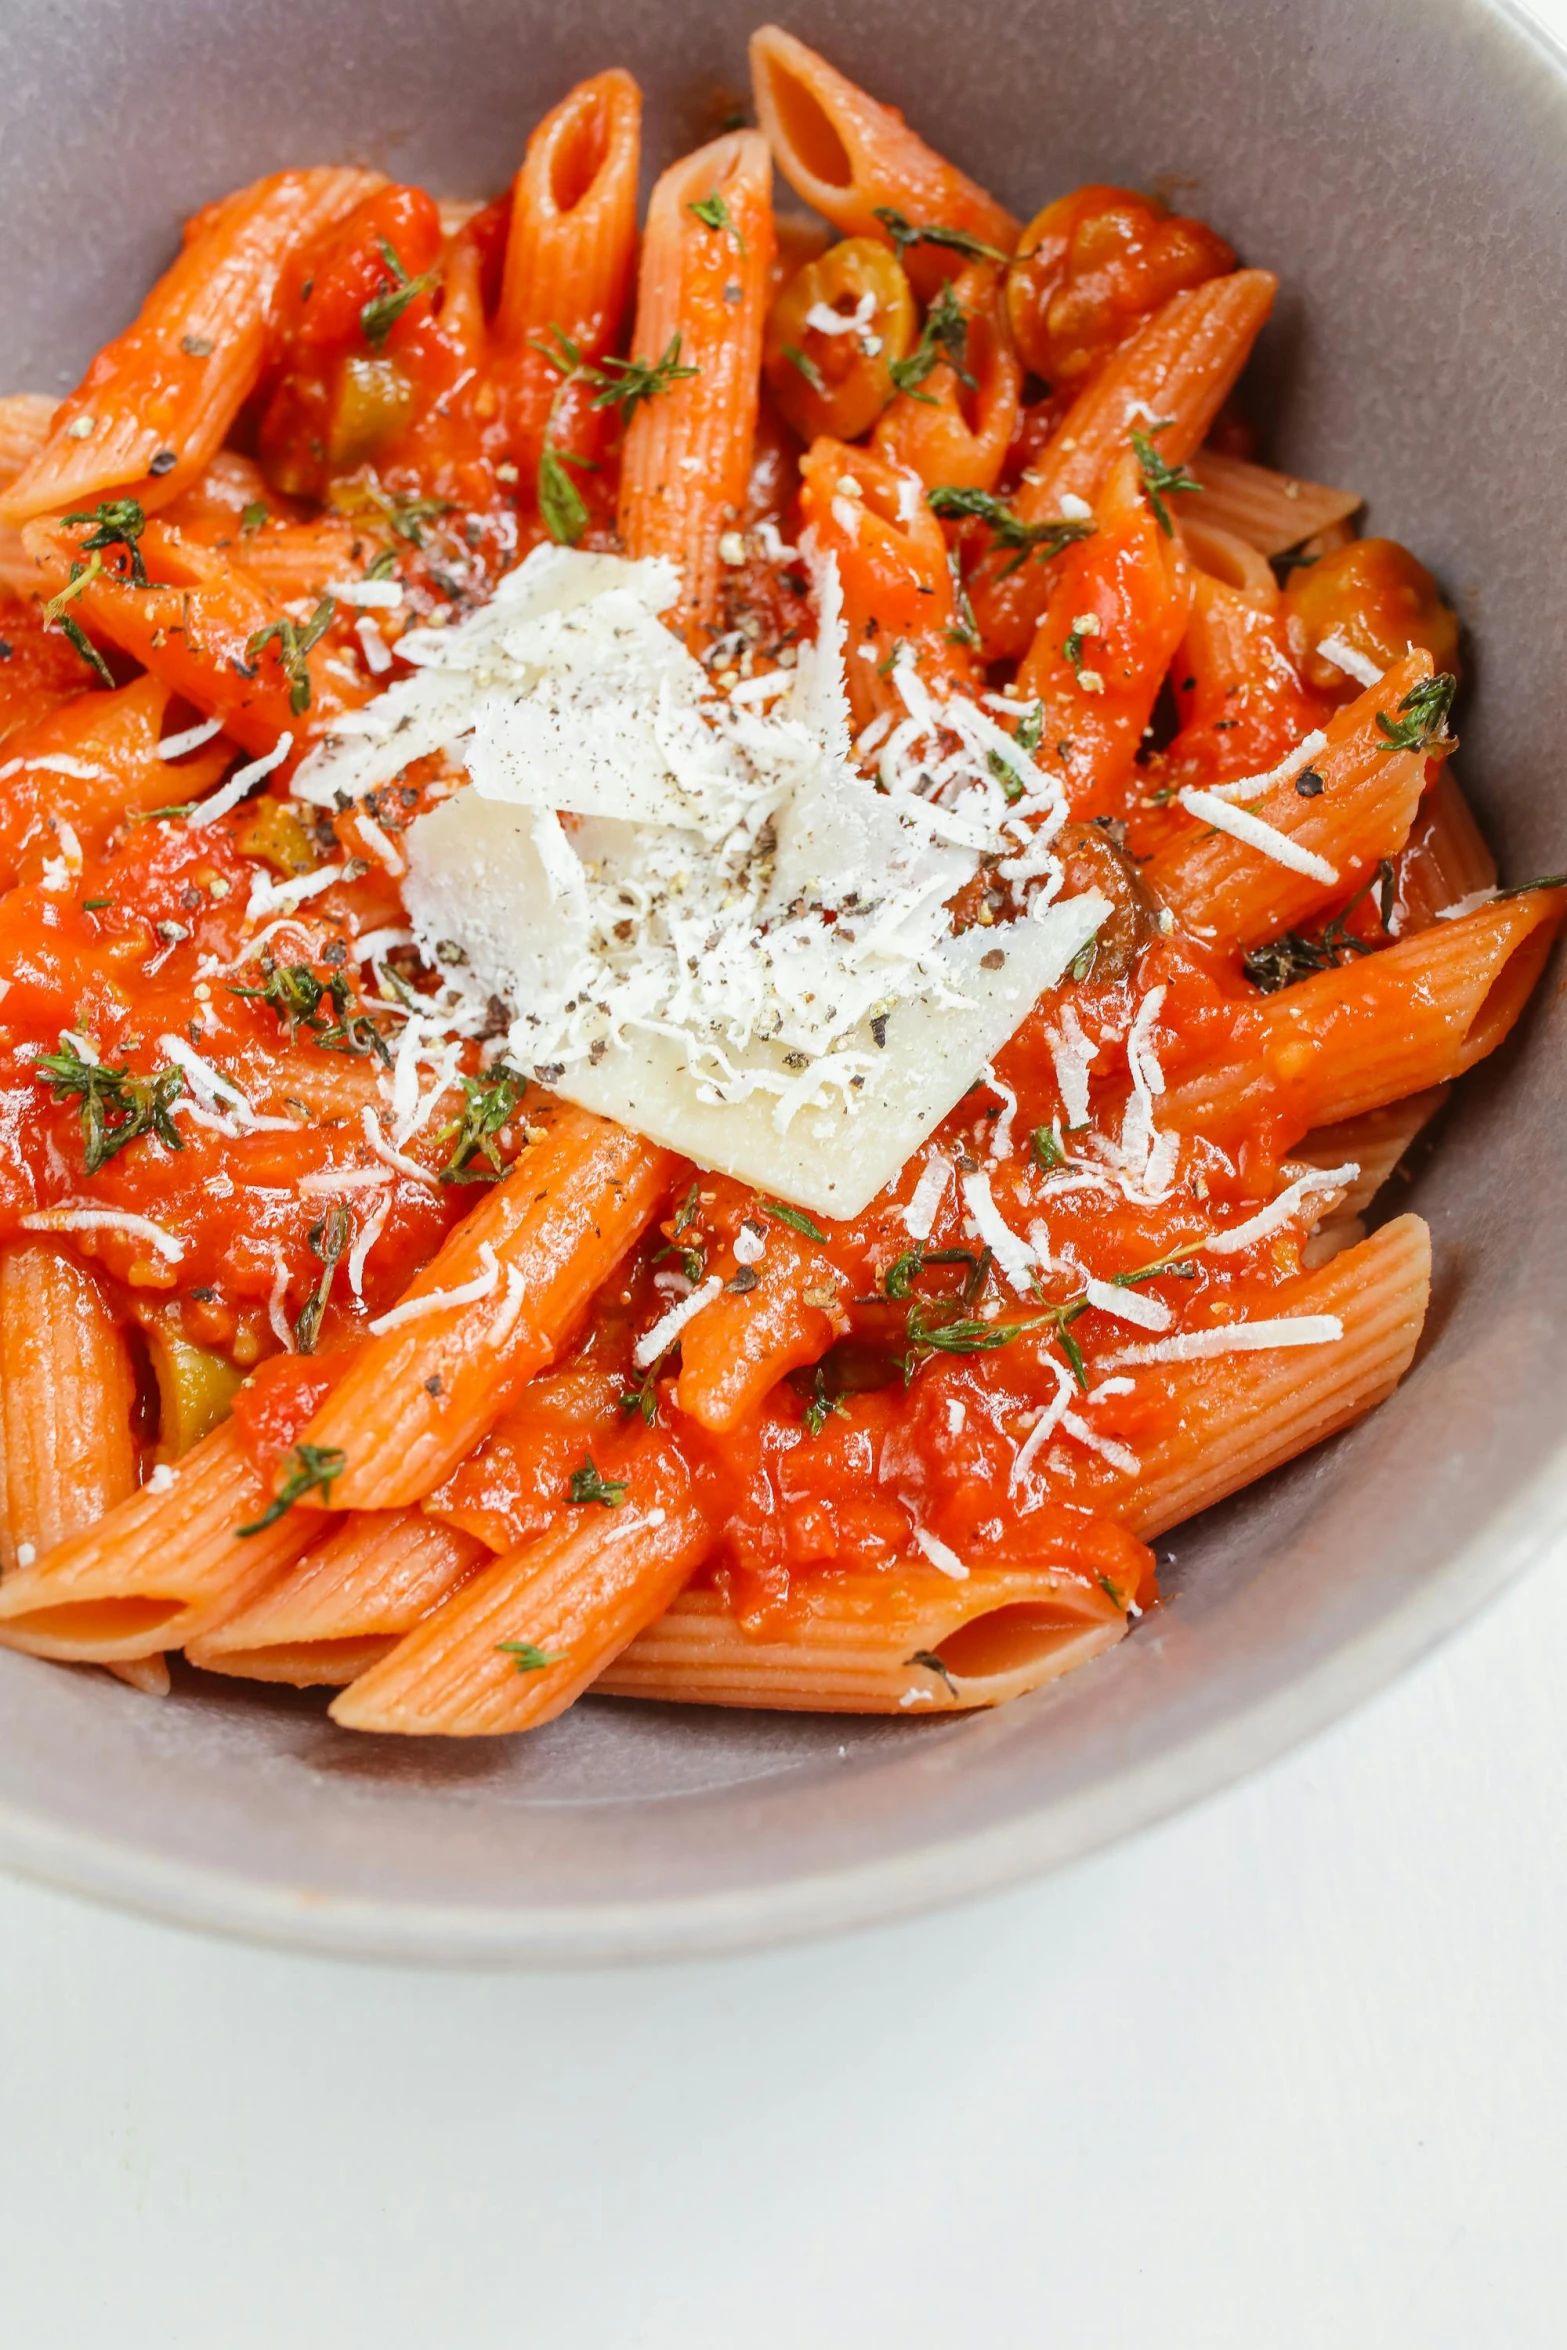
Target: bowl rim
{"x":1123,"y":1802}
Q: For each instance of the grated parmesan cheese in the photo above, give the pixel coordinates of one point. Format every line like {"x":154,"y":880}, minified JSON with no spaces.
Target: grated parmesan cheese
{"x":438,"y":1301}
{"x":1235,"y":1338}
{"x":712,"y":926}
{"x":78,"y":1216}
{"x":931,"y":1546}
{"x":667,"y":1329}
{"x":1242,"y":825}
{"x":1347,"y":657}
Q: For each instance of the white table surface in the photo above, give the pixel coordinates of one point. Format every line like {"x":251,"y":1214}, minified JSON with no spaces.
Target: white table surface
{"x":1288,"y":2072}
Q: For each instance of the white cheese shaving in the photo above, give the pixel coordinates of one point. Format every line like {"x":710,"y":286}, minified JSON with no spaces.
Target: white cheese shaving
{"x":1014,"y":1258}
{"x":371,"y":594}
{"x":1044,"y":1427}
{"x":438,"y":1301}
{"x":1130,"y":1305}
{"x":1252,"y":787}
{"x":1073,"y":1056}
{"x":931,"y":1546}
{"x":77,"y":1216}
{"x":1347,"y":657}
{"x":1242,"y":825}
{"x":919,"y":1216}
{"x":1235,"y":1338}
{"x":332,"y":1182}
{"x":750,"y":1245}
{"x":191,"y":738}
{"x":383,"y":1150}
{"x":373,"y":645}
{"x":667,"y":1329}
{"x":282,"y":1328}
{"x":1120,"y":1456}
{"x":358,"y":1255}
{"x":1279,"y":1211}
{"x":228,"y":795}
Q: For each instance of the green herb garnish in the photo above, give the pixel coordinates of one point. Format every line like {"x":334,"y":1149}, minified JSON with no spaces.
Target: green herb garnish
{"x":806,"y":367}
{"x":956,"y":240}
{"x":943,"y":337}
{"x":561,"y":507}
{"x":1294,"y":955}
{"x":619,"y":383}
{"x":715,"y":214}
{"x":489,"y":1104}
{"x":119,"y":523}
{"x":530,"y":1659}
{"x":328,"y":1239}
{"x":822,"y":1406}
{"x":317,"y":1468}
{"x":253,"y":518}
{"x":795,"y":1218}
{"x":587,"y":1485}
{"x":1422,"y":719}
{"x":117,"y":1108}
{"x":1047,"y":1151}
{"x":1160,"y":478}
{"x":295,"y":643}
{"x":1007,"y":527}
{"x":933,"y":1664}
{"x":380,"y":314}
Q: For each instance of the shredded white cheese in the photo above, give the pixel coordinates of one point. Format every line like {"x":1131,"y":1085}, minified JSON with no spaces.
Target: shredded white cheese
{"x":228,"y":795}
{"x":1242,"y":825}
{"x":931,"y":1546}
{"x":1235,"y":1338}
{"x":1130,"y":1305}
{"x":191,"y":738}
{"x":1014,"y":1258}
{"x":1279,"y":1211}
{"x":1347,"y":657}
{"x":440,"y":1301}
{"x":78,"y":1216}
{"x":1252,"y":787}
{"x":667,"y":1329}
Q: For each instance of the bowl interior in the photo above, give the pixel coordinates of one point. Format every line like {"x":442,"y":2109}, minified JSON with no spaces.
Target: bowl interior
{"x":1401,"y":166}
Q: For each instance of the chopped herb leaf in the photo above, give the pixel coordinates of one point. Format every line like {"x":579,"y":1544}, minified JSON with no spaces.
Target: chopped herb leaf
{"x":795,"y":1218}
{"x":1047,"y":1151}
{"x":1007,"y":528}
{"x":328,"y":1239}
{"x":1161,"y":479}
{"x":117,"y":1108}
{"x":619,"y":383}
{"x":561,"y":507}
{"x":380,"y":314}
{"x":587,"y":1485}
{"x":490,"y":1103}
{"x":806,"y":367}
{"x":715,"y":214}
{"x":822,"y":1406}
{"x":955,"y":240}
{"x":295,"y":643}
{"x":943,"y":338}
{"x":530,"y":1659}
{"x":119,"y":522}
{"x":1422,"y":719}
{"x":317,"y":1468}
{"x":933,"y":1664}
{"x":253,"y":518}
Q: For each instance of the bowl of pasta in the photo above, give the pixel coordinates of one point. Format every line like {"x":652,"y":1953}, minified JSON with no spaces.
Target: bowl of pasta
{"x":778,"y":1113}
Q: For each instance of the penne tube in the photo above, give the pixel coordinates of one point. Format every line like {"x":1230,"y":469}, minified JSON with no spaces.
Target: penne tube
{"x":702,"y":293}
{"x":1177,"y":370}
{"x":67,"y":1401}
{"x":1361,"y":813}
{"x":852,"y":158}
{"x":293,"y":560}
{"x":1376,"y":1141}
{"x":1447,"y":857}
{"x":207,"y":630}
{"x":148,"y":1674}
{"x":883,"y":1641}
{"x":520,"y":1642}
{"x":1224,"y":557}
{"x":735,"y":1351}
{"x":950,"y":433}
{"x":345,"y":1604}
{"x":1268,"y":510}
{"x":423,"y":1392}
{"x":570,"y":250}
{"x":161,"y":1568}
{"x":1372,"y":1031}
{"x":158,"y":401}
{"x":89,"y":765}
{"x":892,"y":568}
{"x":1201,"y":1430}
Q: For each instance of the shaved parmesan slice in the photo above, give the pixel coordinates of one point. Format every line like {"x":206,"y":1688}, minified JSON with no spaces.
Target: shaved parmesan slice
{"x":836,"y":1158}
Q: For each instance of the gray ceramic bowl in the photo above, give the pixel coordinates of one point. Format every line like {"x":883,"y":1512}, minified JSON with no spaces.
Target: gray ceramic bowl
{"x":1400,"y":163}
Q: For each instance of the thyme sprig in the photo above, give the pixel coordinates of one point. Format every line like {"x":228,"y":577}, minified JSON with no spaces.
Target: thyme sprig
{"x":1161,"y":479}
{"x":317,"y":1468}
{"x":295,"y":641}
{"x":490,"y":1103}
{"x":1421,"y":722}
{"x":955,"y":240}
{"x":1007,"y":527}
{"x":116,"y":1108}
{"x":380,"y":314}
{"x":943,"y":338}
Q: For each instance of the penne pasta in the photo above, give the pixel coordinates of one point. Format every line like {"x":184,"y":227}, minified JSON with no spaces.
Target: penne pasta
{"x":343,"y":1606}
{"x":570,"y":250}
{"x":489,"y":1310}
{"x":869,"y":1644}
{"x":67,"y":1399}
{"x":950,"y":432}
{"x":851,"y":159}
{"x":701,"y":308}
{"x":80,"y":771}
{"x":530,"y":1632}
{"x":1380,"y":1028}
{"x":157,"y":402}
{"x":1267,"y":510}
{"x":1446,"y":858}
{"x":158,"y":1569}
{"x":1334,"y":836}
{"x":1177,"y":371}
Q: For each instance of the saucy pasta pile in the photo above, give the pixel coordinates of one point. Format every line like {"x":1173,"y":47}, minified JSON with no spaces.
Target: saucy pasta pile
{"x":712,"y":936}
